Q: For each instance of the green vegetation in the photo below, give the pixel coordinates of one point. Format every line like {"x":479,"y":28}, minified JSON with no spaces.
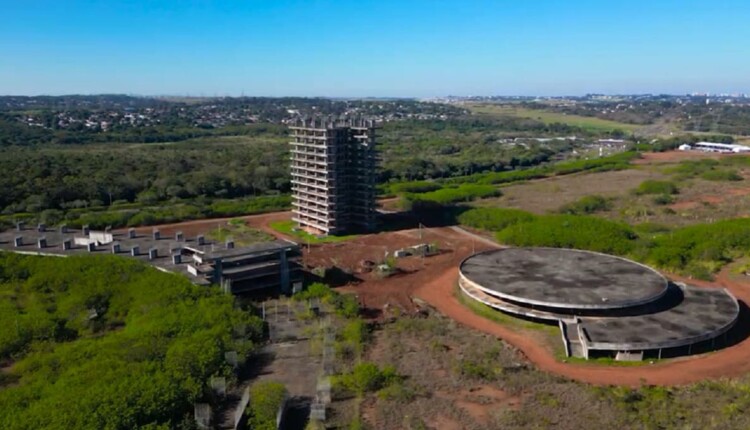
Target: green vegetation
{"x":619,"y":161}
{"x":413,"y":187}
{"x":345,"y":305}
{"x":587,"y":123}
{"x":290,"y":228}
{"x":449,"y":196}
{"x":105,"y":342}
{"x":365,"y":378}
{"x":95,"y":175}
{"x":697,"y":250}
{"x":134,"y":214}
{"x":493,"y":219}
{"x":587,"y":205}
{"x":656,"y":187}
{"x":701,"y":249}
{"x":664,"y":199}
{"x":721,"y":175}
{"x":238,"y":230}
{"x":571,"y":231}
{"x":266,"y":398}
{"x":709,"y":170}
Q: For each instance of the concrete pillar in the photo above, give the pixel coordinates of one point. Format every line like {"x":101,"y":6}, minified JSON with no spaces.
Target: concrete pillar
{"x":42,"y":242}
{"x":41,"y":228}
{"x":227,"y":286}
{"x":20,"y":226}
{"x":179,"y":236}
{"x":116,"y":248}
{"x":86,"y":230}
{"x":176,"y":258}
{"x":63,"y":229}
{"x":153,"y":253}
{"x":230,"y":244}
{"x":135,"y":251}
{"x":131,"y":233}
{"x":91,"y":247}
{"x":201,"y":240}
{"x":18,"y":241}
{"x":284,"y":269}
{"x":67,"y":244}
{"x":156,"y":234}
{"x":218,"y":271}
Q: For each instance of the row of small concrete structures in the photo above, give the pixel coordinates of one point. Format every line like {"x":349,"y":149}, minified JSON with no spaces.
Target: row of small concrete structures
{"x":92,"y":239}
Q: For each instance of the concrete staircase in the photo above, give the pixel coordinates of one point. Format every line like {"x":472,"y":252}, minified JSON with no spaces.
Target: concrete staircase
{"x":574,"y":341}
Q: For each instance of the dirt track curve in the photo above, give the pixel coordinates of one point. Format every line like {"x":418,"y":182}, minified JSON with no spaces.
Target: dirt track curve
{"x":728,"y":362}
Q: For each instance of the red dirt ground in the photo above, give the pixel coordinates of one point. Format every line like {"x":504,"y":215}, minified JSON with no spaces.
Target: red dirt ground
{"x":676,"y":156}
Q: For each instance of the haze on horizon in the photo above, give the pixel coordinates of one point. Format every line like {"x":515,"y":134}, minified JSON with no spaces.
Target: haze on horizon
{"x":374,"y":48}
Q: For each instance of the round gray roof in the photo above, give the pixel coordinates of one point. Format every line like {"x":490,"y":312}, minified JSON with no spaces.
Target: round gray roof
{"x":564,"y":278}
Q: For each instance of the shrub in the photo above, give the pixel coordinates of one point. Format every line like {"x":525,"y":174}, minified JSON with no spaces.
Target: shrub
{"x":266,"y":398}
{"x":721,"y":175}
{"x":367,"y":377}
{"x":571,"y":231}
{"x":691,"y":169}
{"x":413,"y":187}
{"x":713,"y":244}
{"x":447,"y":196}
{"x":663,"y":199}
{"x":316,"y":290}
{"x":656,"y":187}
{"x":493,"y":219}
{"x":587,"y":205}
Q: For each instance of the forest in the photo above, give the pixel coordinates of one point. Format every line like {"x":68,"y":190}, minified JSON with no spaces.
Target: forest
{"x":202,"y":170}
{"x":107,"y":342}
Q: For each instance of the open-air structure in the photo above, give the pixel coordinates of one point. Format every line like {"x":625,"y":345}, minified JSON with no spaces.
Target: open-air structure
{"x":605,"y":306}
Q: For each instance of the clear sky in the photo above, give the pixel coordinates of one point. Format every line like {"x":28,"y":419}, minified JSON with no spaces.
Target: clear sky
{"x":381,"y":48}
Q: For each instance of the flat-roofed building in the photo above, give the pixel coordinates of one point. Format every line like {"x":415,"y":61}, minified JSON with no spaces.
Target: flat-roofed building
{"x":249,"y":268}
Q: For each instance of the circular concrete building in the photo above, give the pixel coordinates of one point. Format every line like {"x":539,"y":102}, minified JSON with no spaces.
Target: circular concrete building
{"x":604,"y":305}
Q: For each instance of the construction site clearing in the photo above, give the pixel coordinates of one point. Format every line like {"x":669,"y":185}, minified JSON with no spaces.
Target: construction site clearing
{"x":424,"y":281}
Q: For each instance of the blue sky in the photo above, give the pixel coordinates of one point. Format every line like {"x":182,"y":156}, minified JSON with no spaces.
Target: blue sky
{"x":374,"y":48}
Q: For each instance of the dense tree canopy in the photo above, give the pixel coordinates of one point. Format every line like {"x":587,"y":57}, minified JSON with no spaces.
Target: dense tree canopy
{"x":107,"y":342}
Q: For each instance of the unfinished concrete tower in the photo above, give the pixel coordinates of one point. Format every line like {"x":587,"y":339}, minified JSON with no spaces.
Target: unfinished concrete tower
{"x":333,"y":175}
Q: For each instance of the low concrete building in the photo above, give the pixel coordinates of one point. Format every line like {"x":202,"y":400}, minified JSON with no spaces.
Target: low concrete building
{"x":237,"y":269}
{"x":250,"y":268}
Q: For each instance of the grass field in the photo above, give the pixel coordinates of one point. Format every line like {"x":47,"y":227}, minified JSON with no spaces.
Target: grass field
{"x":550,"y":194}
{"x":698,"y":201}
{"x":584,"y":122}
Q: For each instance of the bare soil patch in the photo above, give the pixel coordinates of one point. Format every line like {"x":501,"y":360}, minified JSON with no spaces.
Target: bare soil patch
{"x":677,"y":156}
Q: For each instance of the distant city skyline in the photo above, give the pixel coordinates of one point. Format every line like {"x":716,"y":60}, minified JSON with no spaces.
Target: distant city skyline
{"x":347,"y":49}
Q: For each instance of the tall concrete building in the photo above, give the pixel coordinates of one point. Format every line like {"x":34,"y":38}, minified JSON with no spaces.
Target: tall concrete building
{"x":334,"y":167}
